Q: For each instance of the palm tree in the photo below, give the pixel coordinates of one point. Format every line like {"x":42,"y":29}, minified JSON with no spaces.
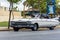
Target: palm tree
{"x":10,"y":9}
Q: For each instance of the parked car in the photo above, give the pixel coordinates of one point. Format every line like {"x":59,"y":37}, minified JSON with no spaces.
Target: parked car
{"x":34,"y":23}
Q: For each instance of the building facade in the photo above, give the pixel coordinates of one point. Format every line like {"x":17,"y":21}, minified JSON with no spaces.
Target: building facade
{"x":4,"y":14}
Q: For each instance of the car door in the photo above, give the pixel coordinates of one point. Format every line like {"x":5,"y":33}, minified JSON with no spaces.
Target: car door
{"x":45,"y":22}
{"x":41,"y":22}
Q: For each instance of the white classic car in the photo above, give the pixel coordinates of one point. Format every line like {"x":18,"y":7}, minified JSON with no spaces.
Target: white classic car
{"x":34,"y":23}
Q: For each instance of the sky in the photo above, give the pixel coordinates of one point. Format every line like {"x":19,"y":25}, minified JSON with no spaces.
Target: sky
{"x":5,"y":3}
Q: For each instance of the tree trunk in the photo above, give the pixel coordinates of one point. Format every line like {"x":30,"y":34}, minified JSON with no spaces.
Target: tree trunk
{"x":10,"y":10}
{"x":24,"y":12}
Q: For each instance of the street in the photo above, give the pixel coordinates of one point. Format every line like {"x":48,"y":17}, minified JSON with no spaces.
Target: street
{"x":31,"y":35}
{"x":41,"y":15}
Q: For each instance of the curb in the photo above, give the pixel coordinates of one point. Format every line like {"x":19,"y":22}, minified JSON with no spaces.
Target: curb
{"x":5,"y":29}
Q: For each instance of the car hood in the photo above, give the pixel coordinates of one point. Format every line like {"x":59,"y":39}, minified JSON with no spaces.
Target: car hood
{"x":21,"y":20}
{"x":33,"y":19}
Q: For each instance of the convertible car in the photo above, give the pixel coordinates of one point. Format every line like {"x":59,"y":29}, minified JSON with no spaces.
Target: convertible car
{"x":34,"y":23}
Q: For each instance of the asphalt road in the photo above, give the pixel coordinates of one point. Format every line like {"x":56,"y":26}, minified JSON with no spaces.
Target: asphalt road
{"x":31,"y":35}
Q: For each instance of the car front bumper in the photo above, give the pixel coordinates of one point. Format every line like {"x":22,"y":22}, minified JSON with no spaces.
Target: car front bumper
{"x":21,"y":24}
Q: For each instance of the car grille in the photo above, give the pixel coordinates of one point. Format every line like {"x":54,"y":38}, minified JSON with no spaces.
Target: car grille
{"x":18,"y":23}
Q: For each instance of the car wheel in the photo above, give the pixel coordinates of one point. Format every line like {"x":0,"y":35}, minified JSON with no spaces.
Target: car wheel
{"x":35,"y":28}
{"x":51,"y":28}
{"x":15,"y":28}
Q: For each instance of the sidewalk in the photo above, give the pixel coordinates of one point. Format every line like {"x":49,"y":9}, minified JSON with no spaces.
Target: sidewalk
{"x":5,"y":29}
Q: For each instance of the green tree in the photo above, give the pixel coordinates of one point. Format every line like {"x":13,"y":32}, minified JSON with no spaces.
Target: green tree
{"x":10,"y":8}
{"x":57,"y":6}
{"x":38,"y":4}
{"x":42,"y":5}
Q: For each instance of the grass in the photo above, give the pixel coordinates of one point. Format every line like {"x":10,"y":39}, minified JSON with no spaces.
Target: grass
{"x":3,"y":24}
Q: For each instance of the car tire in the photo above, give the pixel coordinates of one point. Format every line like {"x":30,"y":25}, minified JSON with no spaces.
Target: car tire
{"x":51,"y":28}
{"x":35,"y":28}
{"x":15,"y":28}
